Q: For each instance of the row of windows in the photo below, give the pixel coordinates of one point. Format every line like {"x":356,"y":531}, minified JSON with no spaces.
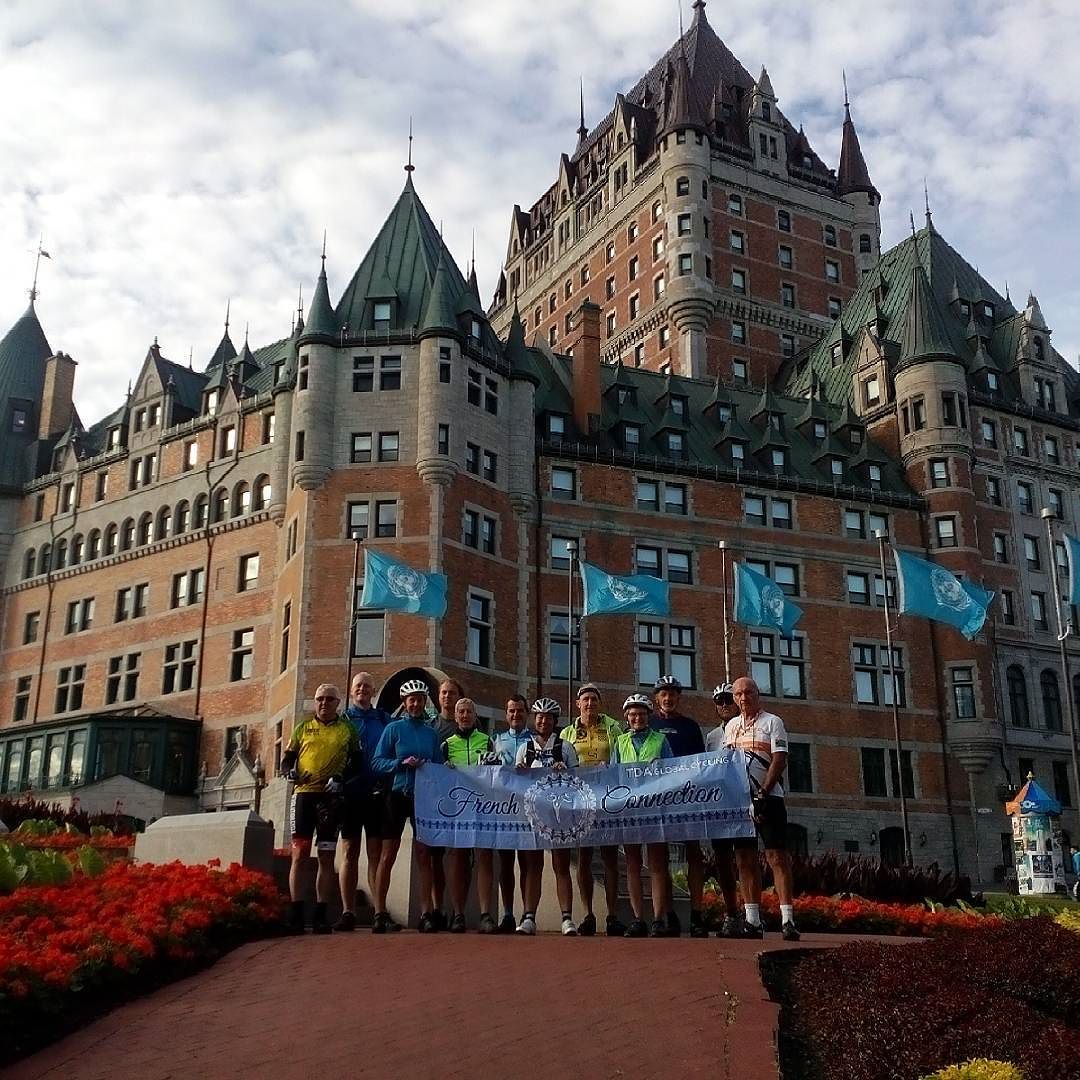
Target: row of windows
{"x":1049,"y":694}
{"x":1022,"y":444}
{"x":785,"y":259}
{"x":169,"y":521}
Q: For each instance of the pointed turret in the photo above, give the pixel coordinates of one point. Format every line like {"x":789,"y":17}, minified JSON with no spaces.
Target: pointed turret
{"x":1033,"y":315}
{"x":23,"y":352}
{"x":926,"y":336}
{"x":852,"y":174}
{"x":763,"y":86}
{"x":582,"y":131}
{"x":226,"y":350}
{"x":516,"y":351}
{"x":321,"y":322}
{"x":439,"y":314}
{"x":683,"y":107}
{"x":719,"y":403}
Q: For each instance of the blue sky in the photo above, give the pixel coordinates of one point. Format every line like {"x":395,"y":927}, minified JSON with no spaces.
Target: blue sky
{"x":177,"y":156}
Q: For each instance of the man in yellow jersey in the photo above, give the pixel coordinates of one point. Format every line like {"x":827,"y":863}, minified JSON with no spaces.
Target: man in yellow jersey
{"x":644,"y":744}
{"x":592,"y":736}
{"x":322,"y":754}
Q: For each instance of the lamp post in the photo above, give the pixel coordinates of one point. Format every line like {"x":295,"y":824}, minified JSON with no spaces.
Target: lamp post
{"x":358,"y":541}
{"x":723,"y":588}
{"x":1064,"y":629}
{"x":571,"y":551}
{"x":881,"y":535}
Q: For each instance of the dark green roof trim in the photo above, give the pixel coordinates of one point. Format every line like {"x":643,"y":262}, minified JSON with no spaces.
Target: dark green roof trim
{"x":322,"y":324}
{"x":926,"y":336}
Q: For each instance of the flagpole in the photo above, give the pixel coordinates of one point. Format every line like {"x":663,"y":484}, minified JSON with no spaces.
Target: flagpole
{"x":881,"y":535}
{"x":571,"y":550}
{"x":727,"y":633}
{"x":358,"y":542}
{"x":1063,"y":633}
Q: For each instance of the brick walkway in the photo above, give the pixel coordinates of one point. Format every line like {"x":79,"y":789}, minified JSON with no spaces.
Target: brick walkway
{"x":463,"y":1006}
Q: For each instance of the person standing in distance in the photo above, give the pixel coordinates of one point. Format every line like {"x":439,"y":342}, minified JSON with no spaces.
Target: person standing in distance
{"x":724,"y":850}
{"x":547,"y":750}
{"x":506,"y":745}
{"x":642,"y":744}
{"x":405,"y":745}
{"x":445,"y":725}
{"x":364,"y":811}
{"x":762,"y":737}
{"x":685,"y":738}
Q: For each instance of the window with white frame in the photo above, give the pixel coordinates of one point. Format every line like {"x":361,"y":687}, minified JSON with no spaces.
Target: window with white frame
{"x":478,"y":643}
{"x":870,"y":664}
{"x":778,"y":665}
{"x":666,"y":649}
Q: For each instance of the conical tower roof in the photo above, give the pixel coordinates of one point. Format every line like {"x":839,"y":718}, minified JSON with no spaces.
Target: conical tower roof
{"x":440,"y":314}
{"x":321,"y":321}
{"x":852,"y":175}
{"x":925,"y":335}
{"x":23,"y":352}
{"x":516,"y":352}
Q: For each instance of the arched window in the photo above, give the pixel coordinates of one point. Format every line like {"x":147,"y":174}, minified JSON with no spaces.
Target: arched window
{"x":127,"y":534}
{"x":164,"y":522}
{"x":93,"y":545}
{"x":261,"y":494}
{"x":241,"y":500}
{"x":29,"y":563}
{"x":1051,"y":699}
{"x":657,"y":210}
{"x":221,"y":504}
{"x":182,"y":518}
{"x":44,"y":556}
{"x":146,"y":530}
{"x":77,"y":547}
{"x":60,"y":555}
{"x":198,"y":517}
{"x":1016,"y":685}
{"x":111,"y":534}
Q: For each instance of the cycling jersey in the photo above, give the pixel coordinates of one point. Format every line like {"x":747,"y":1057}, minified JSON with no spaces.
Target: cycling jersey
{"x":401,"y":739}
{"x":592,"y":743}
{"x":369,"y":724}
{"x":643,"y":746}
{"x":506,"y":745}
{"x":466,"y":747}
{"x":682,"y":733}
{"x":759,"y":739}
{"x":323,"y":749}
{"x":537,"y":753}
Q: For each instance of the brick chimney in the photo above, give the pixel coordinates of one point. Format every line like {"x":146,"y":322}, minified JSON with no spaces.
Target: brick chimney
{"x":586,"y":370}
{"x":56,"y":402}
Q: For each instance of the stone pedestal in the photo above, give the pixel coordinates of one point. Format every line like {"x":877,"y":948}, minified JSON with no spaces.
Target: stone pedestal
{"x":239,"y":836}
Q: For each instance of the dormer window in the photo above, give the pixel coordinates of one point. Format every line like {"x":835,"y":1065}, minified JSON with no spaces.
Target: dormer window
{"x":153,"y":416}
{"x":993,"y":383}
{"x":678,"y":405}
{"x":819,"y":430}
{"x":738,"y":453}
{"x":114,"y":437}
{"x":965,"y":309}
{"x":778,"y":459}
{"x":776,"y":422}
{"x":556,"y":425}
{"x":211,"y":404}
{"x":836,"y":467}
{"x":474,"y":329}
{"x":723,"y":413}
{"x":766,"y":112}
{"x":20,"y":420}
{"x":676,"y":444}
{"x":1040,"y":350}
{"x":381,"y":315}
{"x":837,"y":353}
{"x":988,"y":311}
{"x":626,"y":395}
{"x":873,"y":473}
{"x":631,"y":436}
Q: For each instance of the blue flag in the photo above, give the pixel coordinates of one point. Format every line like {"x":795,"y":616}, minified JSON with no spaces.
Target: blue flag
{"x":1072,"y":550}
{"x":608,"y":594}
{"x":395,"y":586}
{"x":936,"y":593}
{"x":759,"y":601}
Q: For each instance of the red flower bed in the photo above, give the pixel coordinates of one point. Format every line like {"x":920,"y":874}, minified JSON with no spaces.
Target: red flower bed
{"x":856,"y":915}
{"x":870,"y":1011}
{"x":64,"y":949}
{"x":70,"y":841}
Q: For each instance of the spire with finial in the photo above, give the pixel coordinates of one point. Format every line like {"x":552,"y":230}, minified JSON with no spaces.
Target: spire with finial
{"x":582,"y":130}
{"x":41,"y":253}
{"x":699,"y":10}
{"x":911,"y":214}
{"x":409,"y":166}
{"x":926,"y":202}
{"x":847,"y":102}
{"x":852,"y":173}
{"x":228,"y":306}
{"x":190,"y":356}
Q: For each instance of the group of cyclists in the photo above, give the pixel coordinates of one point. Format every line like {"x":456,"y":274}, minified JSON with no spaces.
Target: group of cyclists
{"x":354,"y":775}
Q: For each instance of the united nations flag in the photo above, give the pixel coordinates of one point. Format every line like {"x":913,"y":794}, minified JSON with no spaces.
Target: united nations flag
{"x":609,"y":594}
{"x":935,"y":593}
{"x":759,"y":601}
{"x":394,"y":586}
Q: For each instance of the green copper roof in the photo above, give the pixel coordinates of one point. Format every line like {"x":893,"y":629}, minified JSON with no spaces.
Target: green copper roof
{"x":400,"y":266}
{"x":225,"y":351}
{"x":925,"y":335}
{"x":321,"y":321}
{"x":23,"y":352}
{"x":440,"y":314}
{"x":518,"y":356}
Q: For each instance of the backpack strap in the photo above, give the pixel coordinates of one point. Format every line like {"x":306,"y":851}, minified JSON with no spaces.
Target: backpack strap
{"x":556,"y":750}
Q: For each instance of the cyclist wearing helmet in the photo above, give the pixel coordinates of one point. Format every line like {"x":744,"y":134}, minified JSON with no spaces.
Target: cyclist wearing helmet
{"x":642,"y":744}
{"x":448,"y":693}
{"x":545,"y":749}
{"x":322,"y":755}
{"x":467,"y":746}
{"x":724,"y":850}
{"x":506,"y":746}
{"x":592,"y":735}
{"x":404,"y":746}
{"x":684,"y":737}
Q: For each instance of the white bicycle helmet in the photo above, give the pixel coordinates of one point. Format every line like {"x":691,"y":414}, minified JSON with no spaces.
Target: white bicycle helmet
{"x":547,"y":706}
{"x":722,"y":692}
{"x":413,"y":686}
{"x":667,"y":682}
{"x":637,"y":699}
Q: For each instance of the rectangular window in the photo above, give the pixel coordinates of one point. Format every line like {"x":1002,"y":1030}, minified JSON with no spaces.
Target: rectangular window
{"x":187,"y":588}
{"x":787,"y":295}
{"x":993,"y":491}
{"x":31,"y":623}
{"x":918,"y":413}
{"x":386,"y":519}
{"x":491,"y":396}
{"x":675,"y":499}
{"x":247,"y":577}
{"x":738,"y":331}
{"x":945,"y":532}
{"x":357,"y":527}
{"x":178,"y":673}
{"x":832,"y":271}
{"x":472,"y":458}
{"x":363,"y":379}
{"x":1025,"y":497}
{"x":21,"y":704}
{"x":1020,"y":441}
{"x":443,"y":444}
{"x":302,"y":374}
{"x":786,"y":257}
{"x":268,"y":429}
{"x":737,"y":242}
{"x":286,"y":629}
{"x":783,"y":220}
{"x":101,"y":486}
{"x":735,"y":205}
{"x":361,"y":447}
{"x":369,"y":629}
{"x":988,"y":430}
{"x":445,"y":366}
{"x":1038,"y":611}
{"x":470,"y":528}
{"x":388,"y":446}
{"x":243,"y":654}
{"x":833,"y":307}
{"x":475,"y":386}
{"x":963,"y":688}
{"x":389,"y":372}
{"x":487,"y":535}
{"x":780,"y":513}
{"x":70,"y":682}
{"x":1008,"y":608}
{"x":80,"y":616}
{"x":738,"y":281}
{"x":299,"y":453}
{"x":1001,"y":550}
{"x":647,"y":560}
{"x":1031,"y":553}
{"x":870,"y":664}
{"x":1062,"y":788}
{"x":490,"y":466}
{"x":873,"y":770}
{"x":683,"y":225}
{"x":1054,"y":502}
{"x":559,"y":646}
{"x":939,"y":473}
{"x":478,"y":647}
{"x":563,"y":484}
{"x":1050,"y":450}
{"x":122,"y":682}
{"x":800,"y":773}
{"x":779,"y":665}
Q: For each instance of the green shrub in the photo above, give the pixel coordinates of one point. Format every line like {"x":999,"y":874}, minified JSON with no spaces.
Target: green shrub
{"x":978,"y":1069}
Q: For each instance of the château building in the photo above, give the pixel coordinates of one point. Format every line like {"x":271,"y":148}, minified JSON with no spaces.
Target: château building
{"x":696,"y":338}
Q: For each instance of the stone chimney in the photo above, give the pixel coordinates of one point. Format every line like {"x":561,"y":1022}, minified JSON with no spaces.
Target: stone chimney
{"x":56,"y":400}
{"x":586,"y":380}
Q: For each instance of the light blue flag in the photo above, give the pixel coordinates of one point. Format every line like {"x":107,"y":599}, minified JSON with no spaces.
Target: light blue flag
{"x":395,"y":586}
{"x":1072,"y":550}
{"x":936,"y":593}
{"x":608,"y":594}
{"x":759,"y":601}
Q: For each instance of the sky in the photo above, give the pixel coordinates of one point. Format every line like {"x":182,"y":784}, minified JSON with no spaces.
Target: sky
{"x":175,"y":157}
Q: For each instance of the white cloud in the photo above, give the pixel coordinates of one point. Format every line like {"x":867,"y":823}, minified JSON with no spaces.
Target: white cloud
{"x":176,"y":156}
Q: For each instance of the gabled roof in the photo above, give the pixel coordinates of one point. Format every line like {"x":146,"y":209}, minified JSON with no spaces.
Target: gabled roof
{"x":23,"y":352}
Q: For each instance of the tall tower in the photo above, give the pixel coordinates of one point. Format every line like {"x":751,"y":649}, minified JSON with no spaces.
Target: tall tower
{"x":854,"y":186}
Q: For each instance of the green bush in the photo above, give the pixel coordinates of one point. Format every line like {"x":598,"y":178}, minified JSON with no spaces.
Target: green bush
{"x":978,"y":1069}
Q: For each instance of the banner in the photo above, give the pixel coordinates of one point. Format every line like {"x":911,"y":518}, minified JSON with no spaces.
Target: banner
{"x":609,"y":594}
{"x":702,"y":796}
